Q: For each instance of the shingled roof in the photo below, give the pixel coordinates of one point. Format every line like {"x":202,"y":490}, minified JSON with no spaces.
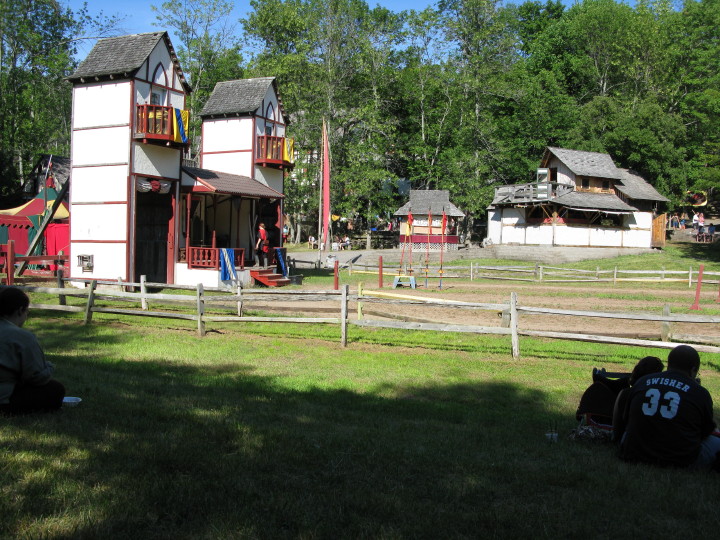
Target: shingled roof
{"x":242,"y":96}
{"x":232,"y":184}
{"x":635,"y":187}
{"x":603,"y":202}
{"x":122,"y":56}
{"x":584,"y":163}
{"x":424,"y":200}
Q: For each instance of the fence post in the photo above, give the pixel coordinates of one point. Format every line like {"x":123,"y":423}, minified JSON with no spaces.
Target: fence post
{"x":90,"y":301}
{"x":143,"y":293}
{"x":61,"y":285}
{"x":662,"y":273}
{"x":541,"y":273}
{"x":597,"y":272}
{"x":666,"y":329}
{"x":690,"y":278}
{"x":359,"y":303}
{"x":10,"y":260}
{"x":514,"y":327}
{"x":380,"y":272}
{"x":537,"y":271}
{"x":200,"y":310}
{"x":336,"y":270}
{"x":344,"y":315}
{"x":615,"y":276}
{"x":240,"y":301}
{"x":505,"y":318}
{"x":471,"y":270}
{"x":696,"y":305}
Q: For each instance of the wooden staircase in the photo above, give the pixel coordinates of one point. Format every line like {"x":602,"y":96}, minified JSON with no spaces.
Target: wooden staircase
{"x":268,"y":278}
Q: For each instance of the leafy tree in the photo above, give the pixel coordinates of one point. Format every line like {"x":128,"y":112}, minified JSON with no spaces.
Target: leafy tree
{"x":209,"y":51}
{"x":38,"y":41}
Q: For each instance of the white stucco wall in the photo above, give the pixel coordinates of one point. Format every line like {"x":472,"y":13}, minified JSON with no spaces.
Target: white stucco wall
{"x":600,"y":237}
{"x":99,"y":222}
{"x":270,"y":98}
{"x":232,"y":163}
{"x":494,"y":226}
{"x":227,"y":134}
{"x":564,"y":174}
{"x":637,"y":238}
{"x":538,"y":234}
{"x":109,"y":261}
{"x":507,"y":225}
{"x":272,"y":178}
{"x":208,"y":278}
{"x":101,"y":104}
{"x":95,"y":184}
{"x":142,"y":92}
{"x":101,"y":146}
{"x":155,"y":160}
{"x":571,"y":236}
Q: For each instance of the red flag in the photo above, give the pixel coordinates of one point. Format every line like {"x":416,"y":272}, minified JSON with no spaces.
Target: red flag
{"x":444,"y":222}
{"x":325,"y":185}
{"x":409,"y":222}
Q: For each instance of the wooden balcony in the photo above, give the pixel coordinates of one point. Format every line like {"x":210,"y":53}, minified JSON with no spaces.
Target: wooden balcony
{"x":529,"y":193}
{"x":158,"y":124}
{"x":276,"y":152}
{"x":209,"y":257}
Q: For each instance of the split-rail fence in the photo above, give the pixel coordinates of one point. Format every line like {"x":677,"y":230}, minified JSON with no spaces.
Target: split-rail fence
{"x":207,"y":306}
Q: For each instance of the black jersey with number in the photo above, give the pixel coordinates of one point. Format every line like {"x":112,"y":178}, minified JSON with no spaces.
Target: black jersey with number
{"x":668,"y":415}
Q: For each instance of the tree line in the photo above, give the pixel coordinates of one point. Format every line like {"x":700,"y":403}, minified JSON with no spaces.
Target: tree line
{"x":462,"y":96}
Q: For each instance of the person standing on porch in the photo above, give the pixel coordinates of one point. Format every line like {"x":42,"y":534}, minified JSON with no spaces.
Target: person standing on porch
{"x":26,"y":383}
{"x":262,"y":246}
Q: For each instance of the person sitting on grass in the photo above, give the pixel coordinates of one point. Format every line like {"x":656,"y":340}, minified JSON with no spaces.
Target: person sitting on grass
{"x":26,"y":383}
{"x":646,"y":366}
{"x":669,"y":416}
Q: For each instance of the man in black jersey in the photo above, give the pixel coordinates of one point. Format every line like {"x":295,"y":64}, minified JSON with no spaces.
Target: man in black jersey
{"x":670,"y":416}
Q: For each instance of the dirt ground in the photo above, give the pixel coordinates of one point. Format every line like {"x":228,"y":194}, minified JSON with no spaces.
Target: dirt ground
{"x":635,"y":298}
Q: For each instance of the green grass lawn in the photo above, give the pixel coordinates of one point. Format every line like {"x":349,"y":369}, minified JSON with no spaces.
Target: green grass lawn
{"x":275,"y":431}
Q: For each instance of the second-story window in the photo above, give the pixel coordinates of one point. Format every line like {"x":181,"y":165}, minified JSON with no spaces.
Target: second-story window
{"x":159,"y":80}
{"x":157,"y":96}
{"x":270,"y":120}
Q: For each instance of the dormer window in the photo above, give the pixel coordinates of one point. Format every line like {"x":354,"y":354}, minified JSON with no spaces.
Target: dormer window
{"x":606,"y":185}
{"x":585,"y":183}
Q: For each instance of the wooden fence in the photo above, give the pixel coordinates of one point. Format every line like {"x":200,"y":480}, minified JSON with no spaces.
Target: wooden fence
{"x":9,"y":260}
{"x":195,"y":308}
{"x":540,"y":273}
{"x":537,"y":273}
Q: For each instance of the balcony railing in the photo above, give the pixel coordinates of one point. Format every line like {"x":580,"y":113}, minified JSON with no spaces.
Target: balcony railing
{"x":272,"y":151}
{"x":157,"y":123}
{"x":539,"y":191}
{"x":209,"y":257}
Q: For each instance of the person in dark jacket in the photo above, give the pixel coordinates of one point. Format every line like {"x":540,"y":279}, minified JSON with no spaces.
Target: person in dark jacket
{"x":26,"y":383}
{"x":670,"y":416}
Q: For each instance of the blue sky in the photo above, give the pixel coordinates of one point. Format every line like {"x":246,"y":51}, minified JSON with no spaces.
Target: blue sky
{"x":140,"y":18}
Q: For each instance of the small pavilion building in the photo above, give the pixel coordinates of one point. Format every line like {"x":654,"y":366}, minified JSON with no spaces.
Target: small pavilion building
{"x":428,"y":221}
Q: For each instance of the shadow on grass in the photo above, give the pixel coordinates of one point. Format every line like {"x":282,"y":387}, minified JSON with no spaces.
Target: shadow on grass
{"x":161,"y":449}
{"x":701,"y":251}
